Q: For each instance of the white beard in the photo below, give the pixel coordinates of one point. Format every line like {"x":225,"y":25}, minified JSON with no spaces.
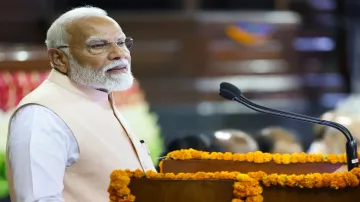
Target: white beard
{"x":100,"y":79}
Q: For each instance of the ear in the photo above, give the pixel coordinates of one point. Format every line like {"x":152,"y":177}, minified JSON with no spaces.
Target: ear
{"x":58,"y":60}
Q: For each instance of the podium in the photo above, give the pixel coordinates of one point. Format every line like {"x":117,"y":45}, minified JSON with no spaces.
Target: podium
{"x":190,"y":166}
{"x":222,"y":191}
{"x":195,"y":178}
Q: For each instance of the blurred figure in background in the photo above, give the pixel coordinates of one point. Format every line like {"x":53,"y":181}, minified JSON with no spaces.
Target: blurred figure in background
{"x":265,"y":143}
{"x":195,"y":141}
{"x":278,"y":140}
{"x":318,"y":146}
{"x":235,"y":141}
{"x":346,"y":113}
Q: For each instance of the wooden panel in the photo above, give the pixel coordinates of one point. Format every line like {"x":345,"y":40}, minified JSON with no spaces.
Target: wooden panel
{"x":222,"y":191}
{"x":192,"y":166}
{"x":28,"y":66}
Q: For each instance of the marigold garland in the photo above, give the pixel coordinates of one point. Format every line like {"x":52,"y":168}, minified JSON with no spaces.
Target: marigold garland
{"x":247,"y":187}
{"x":257,"y":157}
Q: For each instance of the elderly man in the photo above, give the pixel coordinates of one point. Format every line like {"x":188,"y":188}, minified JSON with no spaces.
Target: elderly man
{"x":66,"y":137}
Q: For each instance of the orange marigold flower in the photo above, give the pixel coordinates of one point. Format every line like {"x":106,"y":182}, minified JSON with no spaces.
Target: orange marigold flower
{"x":333,"y":158}
{"x":169,"y":176}
{"x":258,"y":157}
{"x":267,"y":157}
{"x":138,"y":173}
{"x":239,"y":157}
{"x":351,"y":179}
{"x":257,"y":175}
{"x":302,"y":158}
{"x":318,"y":180}
{"x":311,"y":158}
{"x":124,"y":191}
{"x":228,"y":156}
{"x":237,"y":200}
{"x":282,"y":179}
{"x":257,"y":198}
{"x":294,"y":158}
{"x":250,"y":157}
{"x":161,"y":166}
{"x":356,"y":171}
{"x":291,"y":181}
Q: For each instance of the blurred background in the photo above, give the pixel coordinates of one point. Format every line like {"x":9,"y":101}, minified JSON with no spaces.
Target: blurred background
{"x":295,"y":55}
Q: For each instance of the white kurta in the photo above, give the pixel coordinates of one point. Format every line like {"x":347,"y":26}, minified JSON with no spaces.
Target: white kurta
{"x":40,"y":147}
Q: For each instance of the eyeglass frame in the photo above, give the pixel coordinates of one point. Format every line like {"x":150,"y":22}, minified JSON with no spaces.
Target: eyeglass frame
{"x":107,"y":43}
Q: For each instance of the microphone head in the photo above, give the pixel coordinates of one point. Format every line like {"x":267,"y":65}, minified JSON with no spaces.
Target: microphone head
{"x":231,"y":88}
{"x":227,"y":94}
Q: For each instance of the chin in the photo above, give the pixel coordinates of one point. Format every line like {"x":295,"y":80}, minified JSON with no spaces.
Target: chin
{"x":124,"y":85}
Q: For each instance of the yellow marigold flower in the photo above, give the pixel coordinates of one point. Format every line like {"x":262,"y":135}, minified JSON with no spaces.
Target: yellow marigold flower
{"x":138,"y":173}
{"x":258,"y":157}
{"x":151,"y":174}
{"x":228,"y":156}
{"x":309,"y":181}
{"x":318,"y":180}
{"x":124,"y":191}
{"x":294,"y":158}
{"x":326,"y":179}
{"x":291,"y":181}
{"x":205,"y":156}
{"x":333,"y":158}
{"x":257,"y":198}
{"x":351,"y":179}
{"x":282,"y":179}
{"x":311,"y":158}
{"x":266,"y":181}
{"x":239,"y":157}
{"x":257,"y":175}
{"x":273,"y":179}
{"x":302,"y":158}
{"x":250,"y":157}
{"x":237,"y":200}
{"x":169,"y":176}
{"x":285,"y":158}
{"x":356,"y":171}
{"x":267,"y":157}
{"x":200,"y":175}
{"x":277,"y":158}
{"x":243,"y":177}
{"x":161,"y":166}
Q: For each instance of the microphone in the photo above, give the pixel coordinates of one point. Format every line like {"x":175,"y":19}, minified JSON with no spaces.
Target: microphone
{"x":231,"y":92}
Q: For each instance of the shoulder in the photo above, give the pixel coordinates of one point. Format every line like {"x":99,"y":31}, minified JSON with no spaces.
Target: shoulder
{"x":36,"y":121}
{"x":31,"y":114}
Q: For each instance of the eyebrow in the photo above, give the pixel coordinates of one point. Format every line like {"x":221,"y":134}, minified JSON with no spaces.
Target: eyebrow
{"x":96,"y":38}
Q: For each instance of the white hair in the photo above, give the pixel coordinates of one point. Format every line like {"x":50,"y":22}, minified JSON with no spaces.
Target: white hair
{"x":57,"y":34}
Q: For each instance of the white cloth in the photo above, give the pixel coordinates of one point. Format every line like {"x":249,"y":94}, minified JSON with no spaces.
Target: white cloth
{"x":40,"y":147}
{"x":317,"y":147}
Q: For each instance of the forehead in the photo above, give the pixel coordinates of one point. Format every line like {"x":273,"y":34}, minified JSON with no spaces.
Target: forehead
{"x":94,"y":27}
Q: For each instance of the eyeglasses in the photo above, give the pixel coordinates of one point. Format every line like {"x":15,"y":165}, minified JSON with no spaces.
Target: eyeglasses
{"x":101,"y":46}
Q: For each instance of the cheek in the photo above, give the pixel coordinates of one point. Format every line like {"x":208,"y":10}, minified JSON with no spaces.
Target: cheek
{"x":93,"y":62}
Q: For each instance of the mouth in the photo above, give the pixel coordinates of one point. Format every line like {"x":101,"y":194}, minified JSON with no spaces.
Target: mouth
{"x":118,"y":69}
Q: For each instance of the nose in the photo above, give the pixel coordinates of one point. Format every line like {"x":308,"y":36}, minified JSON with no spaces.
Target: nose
{"x":117,"y":53}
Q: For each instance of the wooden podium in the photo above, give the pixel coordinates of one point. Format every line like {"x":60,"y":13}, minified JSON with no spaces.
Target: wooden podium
{"x":191,"y":166}
{"x":222,"y":191}
{"x":186,"y":181}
